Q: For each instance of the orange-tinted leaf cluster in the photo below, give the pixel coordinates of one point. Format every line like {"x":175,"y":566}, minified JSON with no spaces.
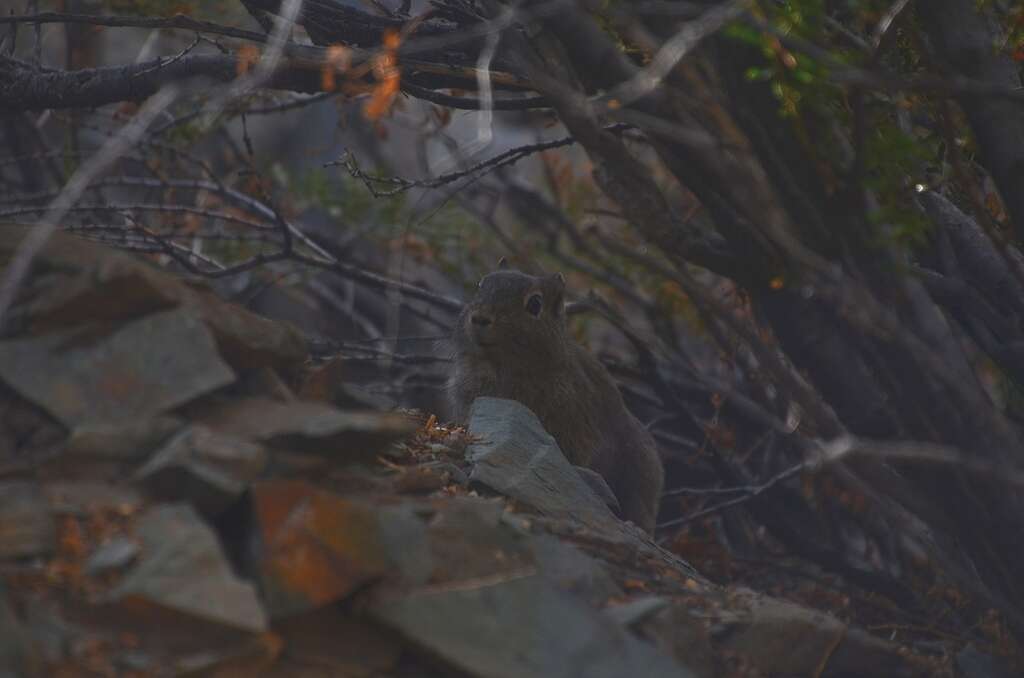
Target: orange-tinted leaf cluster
{"x":338,"y":61}
{"x":387,"y":74}
{"x":248,"y":56}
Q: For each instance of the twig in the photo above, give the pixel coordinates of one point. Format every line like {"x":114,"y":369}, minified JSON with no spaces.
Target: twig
{"x":504,"y":159}
{"x":79,"y":181}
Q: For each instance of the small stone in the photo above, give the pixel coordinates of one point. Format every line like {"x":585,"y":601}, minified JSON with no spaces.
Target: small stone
{"x":88,"y":378}
{"x":208,"y":469}
{"x":18,"y":655}
{"x":517,"y":627}
{"x":317,"y":547}
{"x":112,"y":555}
{"x":515,"y":456}
{"x":26,"y":524}
{"x":313,"y":427}
{"x":182,"y":568}
{"x":637,"y":610}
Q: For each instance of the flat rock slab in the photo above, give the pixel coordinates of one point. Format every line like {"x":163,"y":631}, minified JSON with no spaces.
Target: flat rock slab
{"x":520,"y":627}
{"x":248,"y":340}
{"x":75,"y":282}
{"x":312,"y":427}
{"x":782,"y":638}
{"x":182,"y":568}
{"x":207,"y":469}
{"x":18,"y":657}
{"x":316,"y":547}
{"x":137,"y":372}
{"x":515,"y":456}
{"x":26,"y":524}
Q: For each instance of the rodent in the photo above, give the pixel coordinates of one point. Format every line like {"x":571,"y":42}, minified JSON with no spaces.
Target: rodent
{"x":512,"y":341}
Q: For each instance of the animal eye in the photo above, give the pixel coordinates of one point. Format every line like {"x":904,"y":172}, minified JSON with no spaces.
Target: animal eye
{"x":534,"y":304}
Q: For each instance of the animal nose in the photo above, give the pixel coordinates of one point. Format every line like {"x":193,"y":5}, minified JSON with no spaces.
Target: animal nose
{"x":480,"y":320}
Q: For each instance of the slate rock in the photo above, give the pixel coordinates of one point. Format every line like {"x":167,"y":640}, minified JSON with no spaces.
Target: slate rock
{"x":315,"y":547}
{"x":305,"y":426}
{"x":976,"y":664}
{"x":519,"y":627}
{"x":247,"y":340}
{"x":182,"y":568}
{"x":570,"y":569}
{"x":18,"y":656}
{"x":637,"y":610}
{"x":26,"y":524}
{"x":336,"y":642}
{"x":600,"y":487}
{"x":129,"y":441}
{"x":208,"y":469}
{"x":515,"y":456}
{"x":75,"y":282}
{"x":112,"y":555}
{"x":137,"y":372}
{"x":779,"y":637}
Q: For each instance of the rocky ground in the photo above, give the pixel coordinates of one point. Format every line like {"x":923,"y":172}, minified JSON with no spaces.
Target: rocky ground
{"x":182,"y":493}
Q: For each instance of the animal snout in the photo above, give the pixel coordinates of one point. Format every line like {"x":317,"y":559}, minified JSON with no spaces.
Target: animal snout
{"x":481,"y":320}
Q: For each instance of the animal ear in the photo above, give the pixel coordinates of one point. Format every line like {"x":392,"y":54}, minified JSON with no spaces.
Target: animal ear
{"x":503,"y":263}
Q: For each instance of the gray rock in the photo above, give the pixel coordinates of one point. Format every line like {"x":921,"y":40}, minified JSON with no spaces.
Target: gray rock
{"x":26,"y":525}
{"x":307,"y":426}
{"x":207,"y":469}
{"x":515,"y":456}
{"x":637,"y":610}
{"x":573,"y":571}
{"x":182,"y":568}
{"x":18,"y":656}
{"x":112,"y":555}
{"x":129,"y":441}
{"x":779,"y":637}
{"x":95,"y":379}
{"x":600,"y":487}
{"x":520,"y":627}
{"x":976,"y":664}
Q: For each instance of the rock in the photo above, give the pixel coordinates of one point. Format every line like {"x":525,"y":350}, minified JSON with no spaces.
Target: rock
{"x":182,"y":568}
{"x":76,"y":282}
{"x":247,"y":340}
{"x":328,"y":382}
{"x":636,"y":610}
{"x":779,"y":637}
{"x":128,"y":441}
{"x":976,"y":664}
{"x":515,"y":456}
{"x":25,"y":429}
{"x":573,"y":571}
{"x":304,"y":426}
{"x":679,"y":630}
{"x":316,"y":547}
{"x":26,"y":525}
{"x":520,"y":626}
{"x":18,"y":656}
{"x":112,"y":555}
{"x":338,"y":643}
{"x":98,"y":380}
{"x":210,"y":470}
{"x":80,"y":497}
{"x":600,"y":487}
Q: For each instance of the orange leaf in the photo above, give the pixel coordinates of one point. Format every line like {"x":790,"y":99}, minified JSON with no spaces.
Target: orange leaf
{"x":248,"y":55}
{"x":339,"y":59}
{"x":386,"y":71}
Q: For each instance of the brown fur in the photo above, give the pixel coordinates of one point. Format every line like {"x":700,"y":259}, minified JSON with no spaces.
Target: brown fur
{"x":507,"y":352}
